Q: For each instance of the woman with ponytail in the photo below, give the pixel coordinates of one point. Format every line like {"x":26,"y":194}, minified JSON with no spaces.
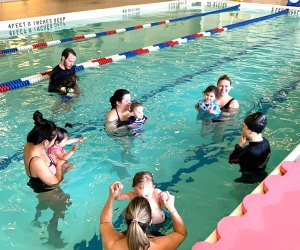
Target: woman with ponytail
{"x":138,"y":218}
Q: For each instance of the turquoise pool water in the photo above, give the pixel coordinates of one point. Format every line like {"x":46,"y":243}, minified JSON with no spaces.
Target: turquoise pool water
{"x":192,"y":163}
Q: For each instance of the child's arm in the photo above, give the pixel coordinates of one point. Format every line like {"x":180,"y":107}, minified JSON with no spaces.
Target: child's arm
{"x":67,"y":155}
{"x":214,"y":110}
{"x":63,"y":156}
{"x":124,"y":196}
{"x":133,"y":125}
{"x":131,"y":122}
{"x":197,"y":106}
{"x":72,"y":140}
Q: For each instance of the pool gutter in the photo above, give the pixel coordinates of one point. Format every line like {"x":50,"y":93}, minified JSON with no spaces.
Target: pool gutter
{"x":85,"y":16}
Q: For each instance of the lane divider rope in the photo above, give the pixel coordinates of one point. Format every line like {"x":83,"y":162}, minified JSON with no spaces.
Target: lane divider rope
{"x":114,"y":58}
{"x":109,"y":32}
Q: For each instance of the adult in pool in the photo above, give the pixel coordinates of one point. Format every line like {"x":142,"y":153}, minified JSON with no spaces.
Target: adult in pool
{"x":224,"y":100}
{"x":138,"y":217}
{"x":45,"y":175}
{"x":117,"y":117}
{"x":116,"y":123}
{"x":143,"y":186}
{"x":64,"y":69}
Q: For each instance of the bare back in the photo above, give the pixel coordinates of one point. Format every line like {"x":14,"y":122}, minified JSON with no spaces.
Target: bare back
{"x":118,"y":241}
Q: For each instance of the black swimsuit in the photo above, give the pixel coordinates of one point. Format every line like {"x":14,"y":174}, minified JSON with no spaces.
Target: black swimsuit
{"x":119,"y":122}
{"x":36,"y":183}
{"x":226,"y":106}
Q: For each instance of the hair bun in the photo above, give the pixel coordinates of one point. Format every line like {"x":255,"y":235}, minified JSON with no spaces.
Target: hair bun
{"x":38,"y":118}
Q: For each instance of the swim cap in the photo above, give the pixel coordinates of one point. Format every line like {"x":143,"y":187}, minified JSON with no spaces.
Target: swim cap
{"x":256,"y":122}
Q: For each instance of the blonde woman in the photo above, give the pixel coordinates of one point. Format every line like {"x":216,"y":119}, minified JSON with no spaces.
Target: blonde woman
{"x":138,"y":217}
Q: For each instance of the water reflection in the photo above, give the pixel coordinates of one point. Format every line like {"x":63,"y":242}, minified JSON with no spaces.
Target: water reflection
{"x":58,"y":202}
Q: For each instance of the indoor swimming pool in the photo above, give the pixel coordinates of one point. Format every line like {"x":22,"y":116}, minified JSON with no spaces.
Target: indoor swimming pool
{"x":186,"y":158}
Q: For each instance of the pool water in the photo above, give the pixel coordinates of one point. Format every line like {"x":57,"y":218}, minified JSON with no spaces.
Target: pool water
{"x":186,"y":158}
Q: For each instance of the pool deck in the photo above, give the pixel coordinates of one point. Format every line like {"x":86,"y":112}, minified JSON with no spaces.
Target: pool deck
{"x":12,"y":10}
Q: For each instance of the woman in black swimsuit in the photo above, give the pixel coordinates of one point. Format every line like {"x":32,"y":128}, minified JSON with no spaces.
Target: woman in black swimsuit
{"x":117,"y":117}
{"x":45,"y":175}
{"x":116,"y":126}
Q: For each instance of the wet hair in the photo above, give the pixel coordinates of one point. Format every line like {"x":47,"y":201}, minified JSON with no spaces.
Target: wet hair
{"x":138,"y":217}
{"x":135,"y":105}
{"x":42,"y":130}
{"x":142,"y":177}
{"x":211,"y":88}
{"x":70,"y":82}
{"x":67,"y":51}
{"x":118,"y":97}
{"x":61,"y":134}
{"x":256,"y":122}
{"x":224,"y":77}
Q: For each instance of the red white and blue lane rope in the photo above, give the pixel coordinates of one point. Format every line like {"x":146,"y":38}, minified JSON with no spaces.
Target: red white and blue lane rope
{"x":109,"y":32}
{"x":105,"y":60}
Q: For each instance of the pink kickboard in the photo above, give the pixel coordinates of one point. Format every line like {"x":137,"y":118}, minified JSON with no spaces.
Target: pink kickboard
{"x":271,"y":221}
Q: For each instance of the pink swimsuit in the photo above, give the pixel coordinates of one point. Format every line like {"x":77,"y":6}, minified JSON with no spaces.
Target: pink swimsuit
{"x":53,"y":148}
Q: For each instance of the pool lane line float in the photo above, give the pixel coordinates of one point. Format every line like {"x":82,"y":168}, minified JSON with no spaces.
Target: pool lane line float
{"x":110,"y":32}
{"x":114,"y":58}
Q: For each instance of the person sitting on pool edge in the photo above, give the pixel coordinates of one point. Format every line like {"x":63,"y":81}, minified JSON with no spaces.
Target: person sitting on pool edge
{"x":62,"y":70}
{"x":254,"y":157}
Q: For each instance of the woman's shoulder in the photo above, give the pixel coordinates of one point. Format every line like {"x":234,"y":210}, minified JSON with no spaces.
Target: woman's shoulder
{"x":169,"y":241}
{"x":111,"y":238}
{"x":37,"y":161}
{"x":227,"y":102}
{"x":30,"y":153}
{"x":111,"y":115}
{"x":234,"y":103}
